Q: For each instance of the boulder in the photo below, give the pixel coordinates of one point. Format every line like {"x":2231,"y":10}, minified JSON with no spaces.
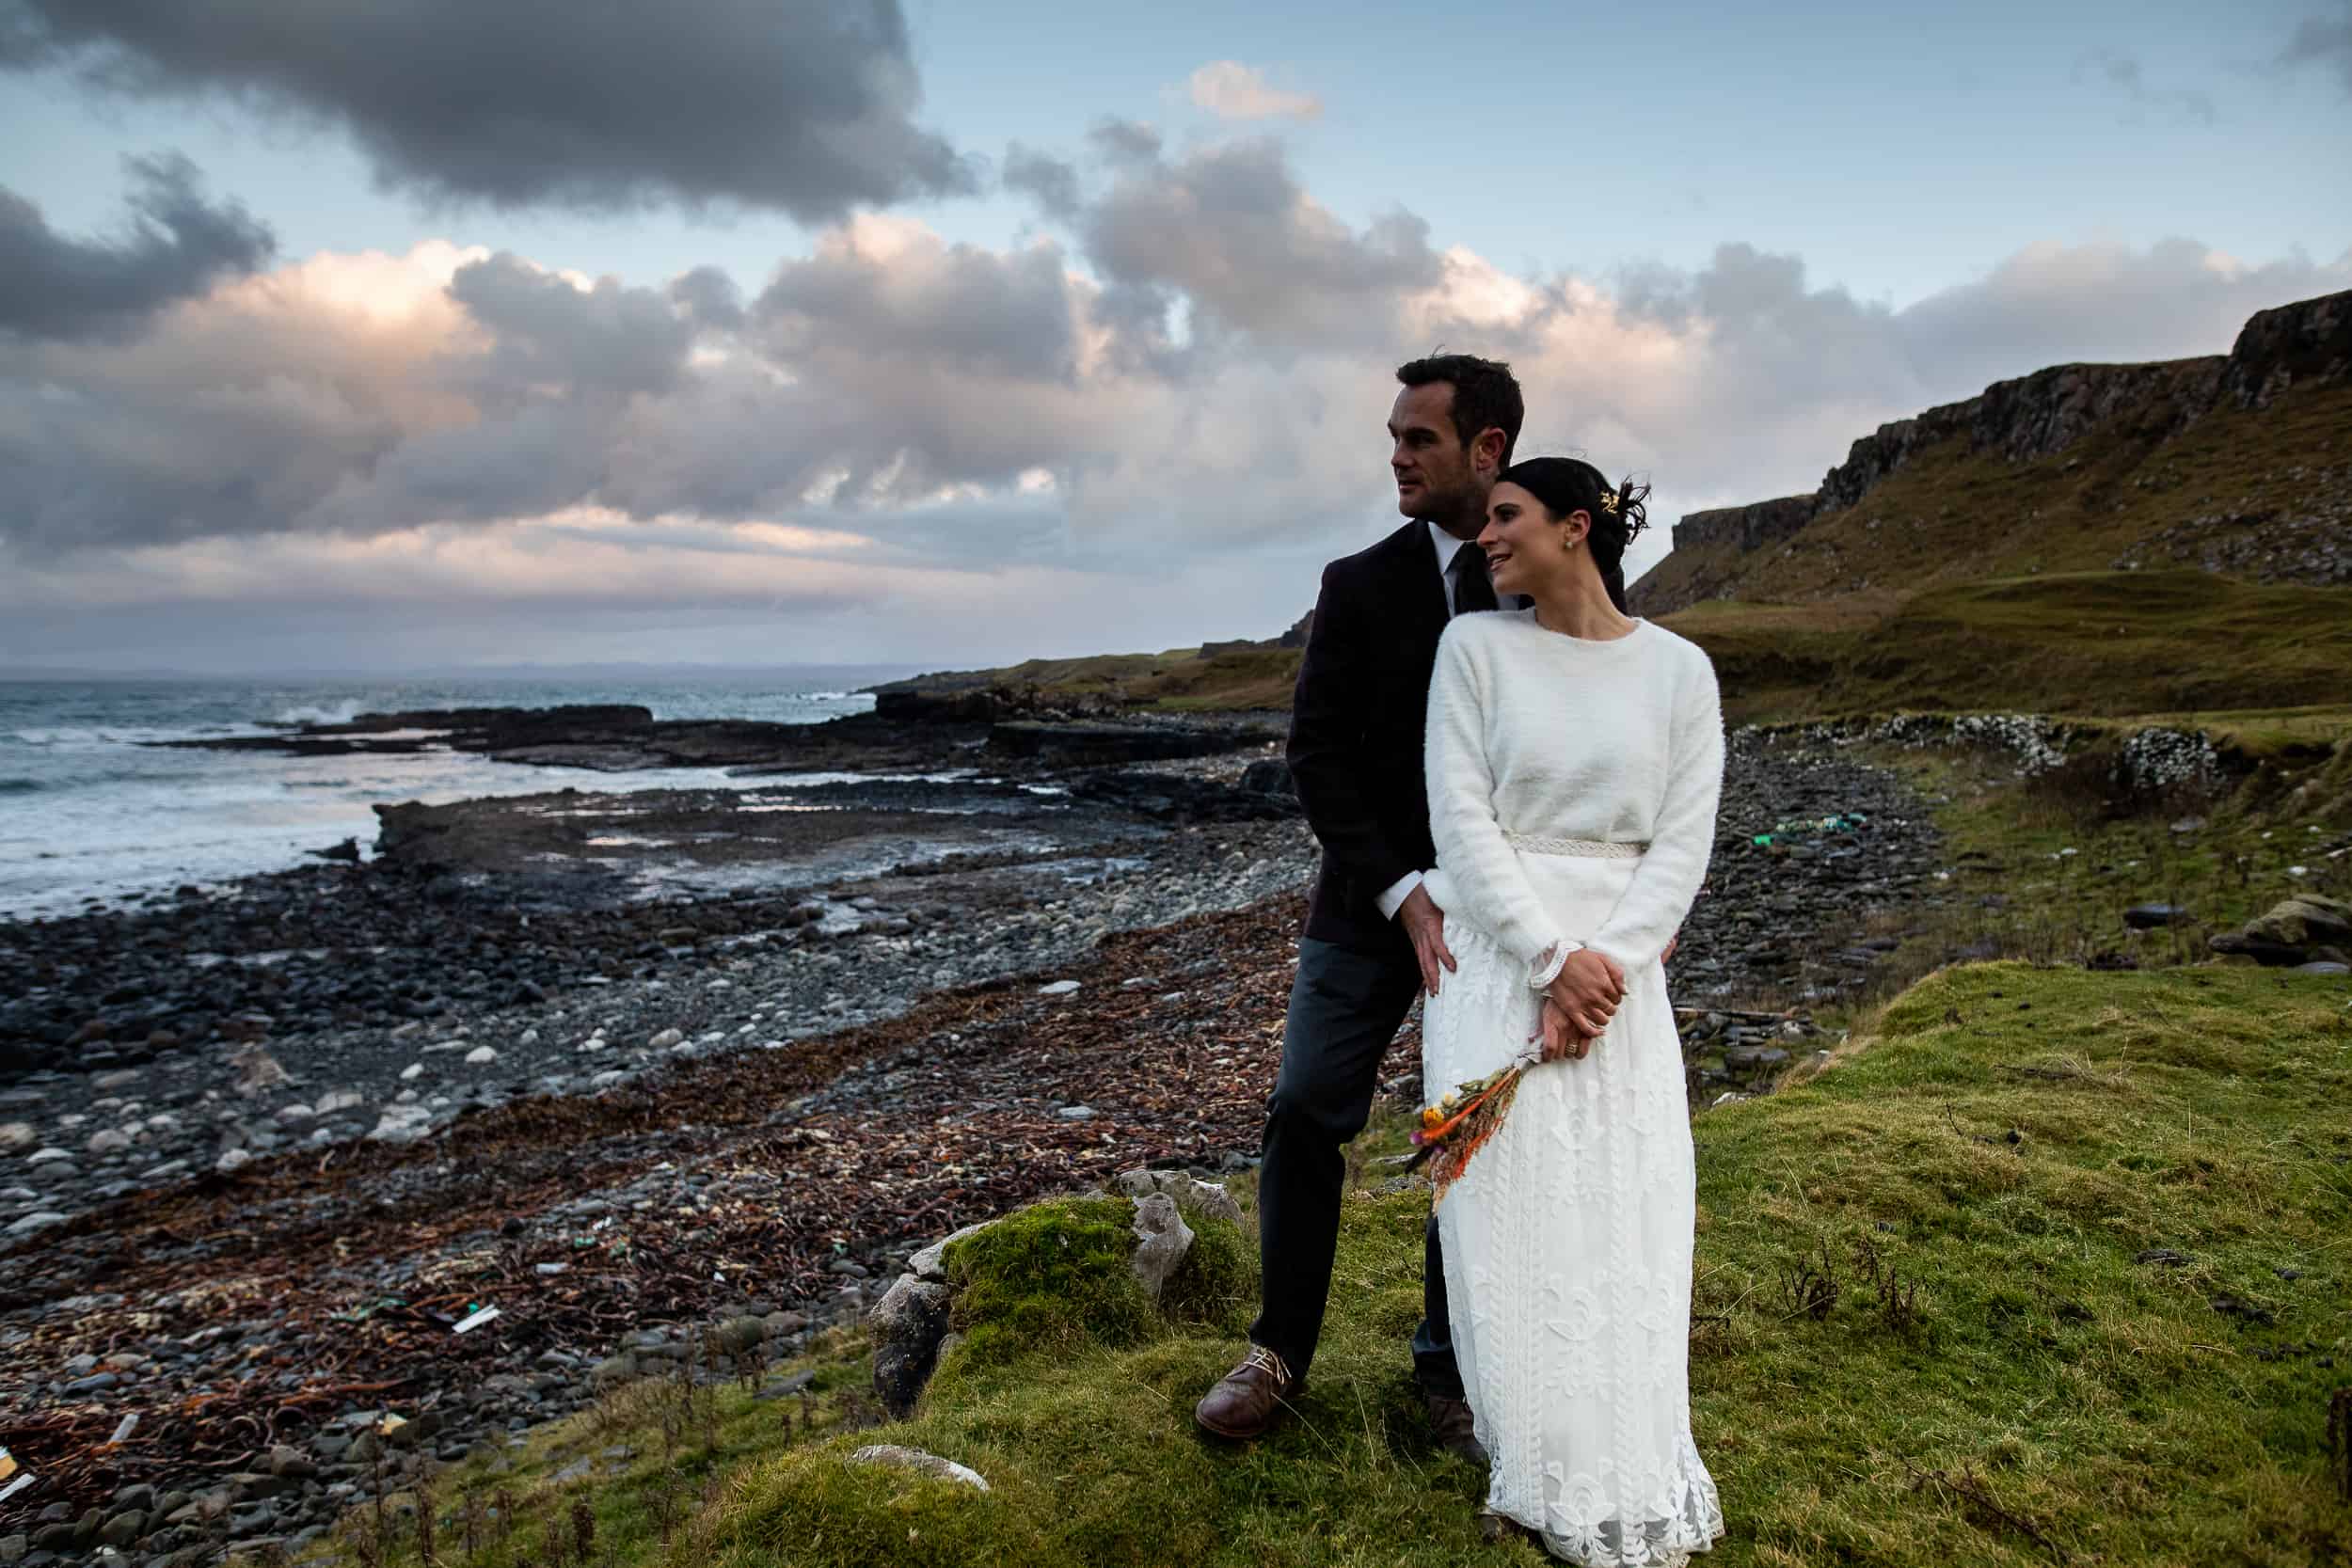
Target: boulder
{"x":1271,"y":776}
{"x":1162,"y":1239}
{"x":907,"y":1324}
{"x":1208,"y":1197}
{"x":256,"y":1070}
{"x":931,"y":1262}
{"x":738,"y":1336}
{"x":2309,"y":927}
{"x":903,"y":1458}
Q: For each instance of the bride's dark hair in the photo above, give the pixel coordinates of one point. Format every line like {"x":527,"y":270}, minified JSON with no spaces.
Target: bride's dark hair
{"x":1566,"y":484}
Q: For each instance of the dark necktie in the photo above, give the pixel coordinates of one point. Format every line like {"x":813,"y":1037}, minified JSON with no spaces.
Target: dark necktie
{"x":1473,"y":588}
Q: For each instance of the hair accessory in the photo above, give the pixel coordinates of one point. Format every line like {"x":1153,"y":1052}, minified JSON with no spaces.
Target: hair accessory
{"x":1609,"y":502}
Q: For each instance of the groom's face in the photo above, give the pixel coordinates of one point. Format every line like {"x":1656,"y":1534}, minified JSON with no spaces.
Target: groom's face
{"x":1431,"y":465}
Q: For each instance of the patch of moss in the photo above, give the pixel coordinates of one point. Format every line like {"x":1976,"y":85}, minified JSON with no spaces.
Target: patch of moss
{"x":1048,"y":1279}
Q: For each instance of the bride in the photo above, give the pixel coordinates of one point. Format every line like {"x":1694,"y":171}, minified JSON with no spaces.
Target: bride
{"x":1575,"y":758}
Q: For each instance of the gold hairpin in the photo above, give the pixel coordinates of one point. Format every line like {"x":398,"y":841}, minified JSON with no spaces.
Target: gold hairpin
{"x":1609,"y":502}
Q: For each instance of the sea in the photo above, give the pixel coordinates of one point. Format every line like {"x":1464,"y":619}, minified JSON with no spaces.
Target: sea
{"x":88,"y":812}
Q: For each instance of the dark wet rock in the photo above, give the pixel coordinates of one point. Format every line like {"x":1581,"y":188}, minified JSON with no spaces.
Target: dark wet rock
{"x":1271,"y":776}
{"x":907,"y":1324}
{"x":1099,"y":745}
{"x":2150,"y":917}
{"x":1175,"y":798}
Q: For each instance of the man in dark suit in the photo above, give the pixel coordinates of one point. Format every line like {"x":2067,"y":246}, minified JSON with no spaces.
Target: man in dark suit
{"x":1374,"y":936}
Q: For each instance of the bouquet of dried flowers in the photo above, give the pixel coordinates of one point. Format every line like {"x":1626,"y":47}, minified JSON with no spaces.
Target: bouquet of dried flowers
{"x":1459,"y":1124}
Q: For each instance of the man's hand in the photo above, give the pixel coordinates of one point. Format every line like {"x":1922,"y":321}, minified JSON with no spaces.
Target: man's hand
{"x":1562,"y":1040}
{"x":1425,"y":924}
{"x":1587,"y":989}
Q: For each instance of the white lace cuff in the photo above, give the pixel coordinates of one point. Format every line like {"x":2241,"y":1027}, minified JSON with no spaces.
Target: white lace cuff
{"x":1548,"y":964}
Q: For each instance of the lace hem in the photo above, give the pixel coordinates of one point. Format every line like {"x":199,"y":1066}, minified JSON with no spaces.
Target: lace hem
{"x":1684,"y":1517}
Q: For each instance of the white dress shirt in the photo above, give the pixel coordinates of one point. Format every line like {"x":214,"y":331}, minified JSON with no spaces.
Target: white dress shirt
{"x":1449,"y":555}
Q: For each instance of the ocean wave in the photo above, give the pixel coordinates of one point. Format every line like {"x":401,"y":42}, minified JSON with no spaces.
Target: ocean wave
{"x":316,"y":713}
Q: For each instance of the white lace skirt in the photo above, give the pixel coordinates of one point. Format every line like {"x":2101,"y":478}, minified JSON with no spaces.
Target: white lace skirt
{"x":1567,"y":1251}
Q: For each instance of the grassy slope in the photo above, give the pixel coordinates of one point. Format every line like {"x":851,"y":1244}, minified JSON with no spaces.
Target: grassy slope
{"x":2005,"y":1138}
{"x":1239,"y":680}
{"x":2104,"y":643}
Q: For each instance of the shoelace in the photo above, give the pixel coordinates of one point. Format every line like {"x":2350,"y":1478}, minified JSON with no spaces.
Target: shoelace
{"x":1266,"y":1361}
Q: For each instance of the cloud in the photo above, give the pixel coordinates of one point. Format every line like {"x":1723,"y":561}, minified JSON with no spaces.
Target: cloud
{"x":887,"y":289}
{"x":803,"y":106}
{"x":1183,"y":427}
{"x":178,"y":245}
{"x":1230,"y":229}
{"x":1048,"y":181}
{"x":1121,"y":139}
{"x":1231,"y":91}
{"x":2323,"y":40}
{"x":2122,"y":71}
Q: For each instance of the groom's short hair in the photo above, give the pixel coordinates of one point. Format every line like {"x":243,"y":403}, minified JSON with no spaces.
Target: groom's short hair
{"x":1486,"y":394}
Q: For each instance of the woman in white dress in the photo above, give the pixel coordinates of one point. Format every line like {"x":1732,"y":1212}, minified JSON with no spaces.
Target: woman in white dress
{"x":1575,"y":759}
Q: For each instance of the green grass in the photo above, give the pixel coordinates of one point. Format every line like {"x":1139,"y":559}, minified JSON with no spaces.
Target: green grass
{"x":2004,"y":1139}
{"x":2079,"y":644}
{"x":1178,"y":681}
{"x":2090,"y":643}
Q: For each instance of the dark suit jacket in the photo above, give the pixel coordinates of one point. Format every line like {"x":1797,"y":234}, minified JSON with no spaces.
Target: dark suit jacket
{"x":1355,"y":733}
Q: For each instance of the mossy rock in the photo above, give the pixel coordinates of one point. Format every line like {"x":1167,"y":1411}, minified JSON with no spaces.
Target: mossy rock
{"x":1055,"y":1277}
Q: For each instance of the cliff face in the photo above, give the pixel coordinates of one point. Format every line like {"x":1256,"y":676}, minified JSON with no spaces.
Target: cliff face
{"x":2294,"y":347}
{"x":1744,"y":528}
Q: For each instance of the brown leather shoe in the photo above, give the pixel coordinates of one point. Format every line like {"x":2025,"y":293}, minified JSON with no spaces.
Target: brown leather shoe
{"x":1457,"y":1429}
{"x":1246,"y":1400}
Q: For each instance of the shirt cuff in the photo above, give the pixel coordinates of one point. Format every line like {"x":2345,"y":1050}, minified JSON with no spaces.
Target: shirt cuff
{"x":1549,"y":962}
{"x":1393,"y":898}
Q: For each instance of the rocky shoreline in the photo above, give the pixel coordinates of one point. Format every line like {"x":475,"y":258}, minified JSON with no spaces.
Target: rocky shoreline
{"x":488,"y":1068}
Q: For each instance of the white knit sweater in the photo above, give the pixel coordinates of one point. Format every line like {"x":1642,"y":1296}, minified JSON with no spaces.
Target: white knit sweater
{"x":1536,"y":733}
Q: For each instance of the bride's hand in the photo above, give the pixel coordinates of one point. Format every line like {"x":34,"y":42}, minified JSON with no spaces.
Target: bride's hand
{"x":1587,"y":989}
{"x":1562,"y":1041}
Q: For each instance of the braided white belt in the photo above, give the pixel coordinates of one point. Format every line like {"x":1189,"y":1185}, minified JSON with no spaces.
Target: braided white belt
{"x":1586,"y":848}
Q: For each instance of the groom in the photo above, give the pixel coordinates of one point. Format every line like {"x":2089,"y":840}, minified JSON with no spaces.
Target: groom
{"x":1374,"y":936}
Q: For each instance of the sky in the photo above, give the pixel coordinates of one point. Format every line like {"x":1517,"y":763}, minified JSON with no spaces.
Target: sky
{"x":422,"y":333}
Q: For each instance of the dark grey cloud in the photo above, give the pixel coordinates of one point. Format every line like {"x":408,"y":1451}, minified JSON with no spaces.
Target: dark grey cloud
{"x":710,"y":299}
{"x":2325,"y":41}
{"x":1231,"y":228}
{"x":1125,"y":139}
{"x":178,"y":245}
{"x":1052,"y":183}
{"x":2122,"y":73}
{"x":804,"y":106}
{"x":544,"y":332}
{"x":1007,"y":313}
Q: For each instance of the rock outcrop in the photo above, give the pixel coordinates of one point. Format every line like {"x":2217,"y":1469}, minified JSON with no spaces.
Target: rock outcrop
{"x":2029,"y":418}
{"x":1744,"y":528}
